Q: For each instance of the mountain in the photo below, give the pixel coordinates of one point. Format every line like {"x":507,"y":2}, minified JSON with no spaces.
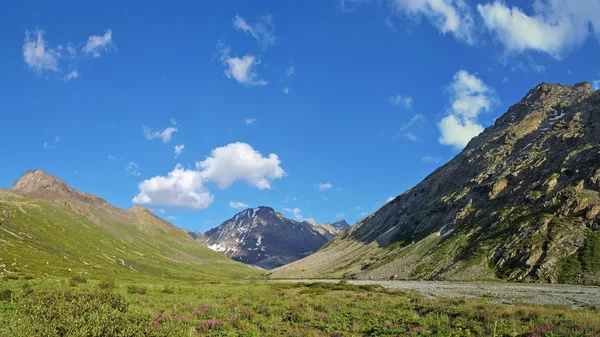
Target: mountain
{"x":521,"y":202}
{"x":262,"y":237}
{"x":47,"y":227}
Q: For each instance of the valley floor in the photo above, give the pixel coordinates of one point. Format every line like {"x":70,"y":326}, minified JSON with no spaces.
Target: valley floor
{"x":31,"y":306}
{"x":504,"y":293}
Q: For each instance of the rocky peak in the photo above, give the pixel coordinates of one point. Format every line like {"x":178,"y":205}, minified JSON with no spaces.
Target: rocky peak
{"x":340,"y":225}
{"x":37,"y":180}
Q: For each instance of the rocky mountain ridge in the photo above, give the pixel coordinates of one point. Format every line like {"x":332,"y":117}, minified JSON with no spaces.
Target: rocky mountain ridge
{"x":265,"y":238}
{"x":521,"y":202}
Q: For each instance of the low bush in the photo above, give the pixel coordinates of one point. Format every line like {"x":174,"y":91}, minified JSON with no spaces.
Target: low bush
{"x":5,"y":295}
{"x":169,"y":289}
{"x":107,"y":284}
{"x":135,"y":289}
{"x":76,"y":280}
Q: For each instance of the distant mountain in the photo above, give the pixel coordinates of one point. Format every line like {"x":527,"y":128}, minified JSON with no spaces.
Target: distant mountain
{"x":521,"y":202}
{"x":51,"y":228}
{"x":262,"y":237}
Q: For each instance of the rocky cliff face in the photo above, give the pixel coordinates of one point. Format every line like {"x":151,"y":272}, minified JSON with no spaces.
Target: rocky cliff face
{"x":520,"y":202}
{"x":262,"y":237}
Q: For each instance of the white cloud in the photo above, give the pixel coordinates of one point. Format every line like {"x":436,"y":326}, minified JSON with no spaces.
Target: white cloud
{"x":470,"y":96}
{"x":505,"y":79}
{"x":286,"y":90}
{"x":250,"y":121}
{"x":340,"y":215}
{"x":181,"y":187}
{"x":596,"y":84}
{"x":430,"y":159}
{"x":411,"y":136}
{"x":97,"y":44}
{"x":239,"y":161}
{"x":240,"y":69}
{"x":53,"y":143}
{"x":111,"y":157}
{"x":363,"y":213}
{"x":297,"y":212}
{"x":390,"y":198}
{"x":132,"y":168}
{"x":171,"y":217}
{"x":288,"y":199}
{"x":400,"y":100}
{"x":263,"y":30}
{"x":37,"y":54}
{"x":416,"y":121}
{"x":179,"y":149}
{"x":554,"y":28}
{"x":448,"y":16}
{"x":237,"y":204}
{"x":165,"y":135}
{"x":324,"y":186}
{"x":71,"y":75}
{"x":291,"y":70}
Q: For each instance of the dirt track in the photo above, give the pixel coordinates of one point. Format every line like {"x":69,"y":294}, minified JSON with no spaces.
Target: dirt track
{"x":506,"y":293}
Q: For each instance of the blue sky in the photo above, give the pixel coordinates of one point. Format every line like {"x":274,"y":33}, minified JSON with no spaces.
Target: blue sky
{"x":321,"y":109}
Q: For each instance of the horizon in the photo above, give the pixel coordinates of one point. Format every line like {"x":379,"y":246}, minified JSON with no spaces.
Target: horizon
{"x":199,"y":111}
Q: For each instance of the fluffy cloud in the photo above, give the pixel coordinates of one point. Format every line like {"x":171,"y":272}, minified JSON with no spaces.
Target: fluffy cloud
{"x":179,"y":149}
{"x":98,"y":44}
{"x":237,"y":204}
{"x":263,"y":29}
{"x":470,"y":97}
{"x":181,"y":187}
{"x":596,"y":84}
{"x":165,"y":135}
{"x":448,"y":16}
{"x":286,"y":90}
{"x":324,"y":186}
{"x":71,"y":75}
{"x":390,"y":198}
{"x":250,"y":121}
{"x":132,"y":168}
{"x":340,"y":215}
{"x":241,"y":69}
{"x":239,"y":161}
{"x":37,"y":54}
{"x":400,"y":100}
{"x":297,"y":212}
{"x":555,"y":27}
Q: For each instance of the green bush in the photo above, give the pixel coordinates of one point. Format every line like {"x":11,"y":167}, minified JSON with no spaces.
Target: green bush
{"x":5,"y":295}
{"x":107,"y":284}
{"x":590,"y":254}
{"x":11,"y":277}
{"x":76,"y":280}
{"x":135,"y":289}
{"x":72,"y":312}
{"x":28,"y":277}
{"x":169,"y":289}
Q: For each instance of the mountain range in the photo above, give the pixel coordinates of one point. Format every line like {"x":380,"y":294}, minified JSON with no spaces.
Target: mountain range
{"x":521,"y":202}
{"x":47,"y":227}
{"x":265,"y":238}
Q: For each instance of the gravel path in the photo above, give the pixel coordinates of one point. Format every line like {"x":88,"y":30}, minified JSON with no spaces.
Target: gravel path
{"x":505,"y":293}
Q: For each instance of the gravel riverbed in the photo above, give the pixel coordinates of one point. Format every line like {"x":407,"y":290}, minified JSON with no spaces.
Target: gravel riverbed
{"x":505,"y":293}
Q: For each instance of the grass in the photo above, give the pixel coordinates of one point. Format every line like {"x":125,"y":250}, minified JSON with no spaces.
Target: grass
{"x":50,"y":307}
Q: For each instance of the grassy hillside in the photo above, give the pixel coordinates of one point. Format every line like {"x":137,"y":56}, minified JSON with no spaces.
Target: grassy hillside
{"x":40,"y":238}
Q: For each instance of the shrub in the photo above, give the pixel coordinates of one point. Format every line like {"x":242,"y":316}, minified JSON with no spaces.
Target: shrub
{"x":5,"y":295}
{"x":107,"y":284}
{"x":28,"y":277}
{"x":73,"y":312}
{"x":135,"y":289}
{"x":77,"y":279}
{"x":169,"y":289}
{"x":11,"y":277}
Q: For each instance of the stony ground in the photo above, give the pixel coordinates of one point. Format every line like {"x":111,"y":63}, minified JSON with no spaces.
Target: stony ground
{"x":505,"y":293}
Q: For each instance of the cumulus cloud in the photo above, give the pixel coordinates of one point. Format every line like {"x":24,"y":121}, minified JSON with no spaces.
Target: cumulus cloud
{"x":71,"y":75}
{"x":37,"y":54}
{"x":165,"y":135}
{"x":469,"y":97}
{"x":98,"y":44}
{"x":179,"y":149}
{"x":237,"y":204}
{"x":324,"y":186}
{"x":390,"y":198}
{"x":448,"y":16}
{"x":297,"y":212}
{"x":132,"y":168}
{"x":250,"y":121}
{"x":554,"y":27}
{"x":400,"y":100}
{"x":596,"y":84}
{"x":263,"y":29}
{"x":239,"y":161}
{"x":241,"y":69}
{"x":181,"y":187}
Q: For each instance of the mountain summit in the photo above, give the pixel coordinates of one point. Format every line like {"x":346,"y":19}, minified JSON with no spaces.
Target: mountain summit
{"x":265,"y":238}
{"x":521,"y":202}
